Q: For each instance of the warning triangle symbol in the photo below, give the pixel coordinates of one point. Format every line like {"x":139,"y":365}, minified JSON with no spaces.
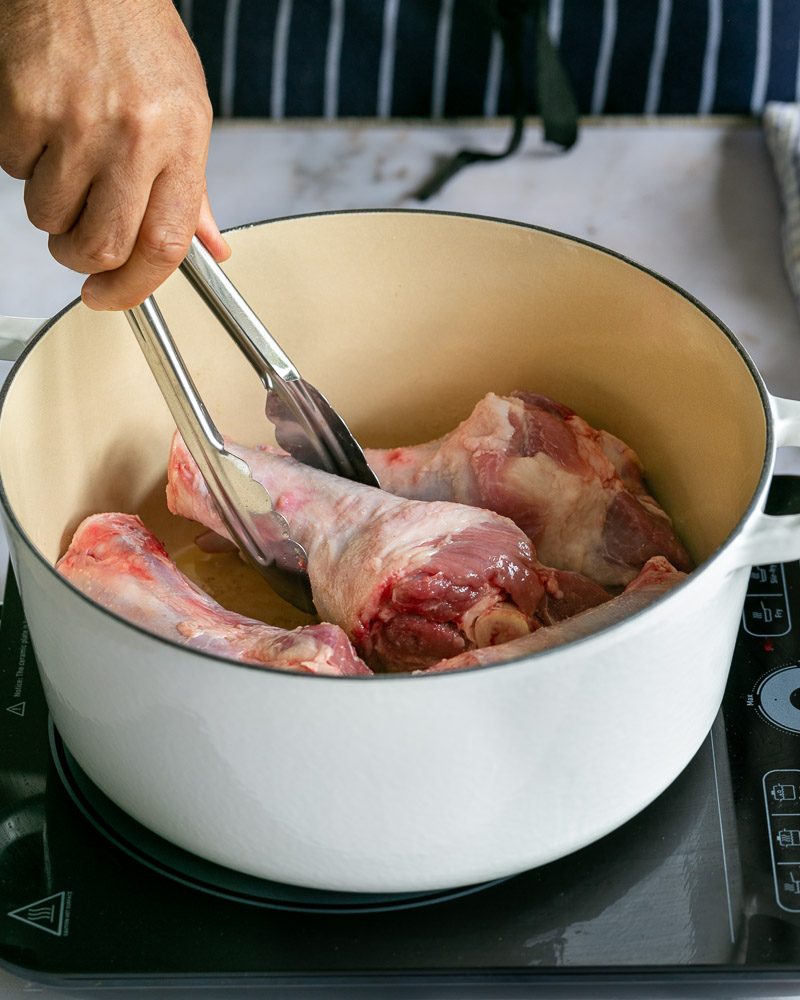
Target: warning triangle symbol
{"x":18,"y":709}
{"x":45,"y":914}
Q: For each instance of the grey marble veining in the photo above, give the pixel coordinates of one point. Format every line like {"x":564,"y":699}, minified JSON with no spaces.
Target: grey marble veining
{"x":695,"y":202}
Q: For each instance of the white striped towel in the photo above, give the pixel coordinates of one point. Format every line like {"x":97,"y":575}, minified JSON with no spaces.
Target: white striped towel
{"x":782,"y":132}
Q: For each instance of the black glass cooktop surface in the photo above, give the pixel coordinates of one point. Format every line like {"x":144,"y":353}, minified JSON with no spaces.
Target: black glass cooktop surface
{"x":697,"y":895}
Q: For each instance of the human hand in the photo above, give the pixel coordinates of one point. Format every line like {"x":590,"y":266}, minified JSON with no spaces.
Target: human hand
{"x":105,"y":115}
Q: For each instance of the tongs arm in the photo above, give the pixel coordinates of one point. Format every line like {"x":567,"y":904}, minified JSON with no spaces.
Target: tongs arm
{"x":243,"y":504}
{"x":306,"y":425}
{"x":226,"y":302}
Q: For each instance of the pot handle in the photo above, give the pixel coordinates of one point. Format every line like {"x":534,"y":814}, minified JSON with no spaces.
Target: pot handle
{"x":774,"y":538}
{"x":15,"y":332}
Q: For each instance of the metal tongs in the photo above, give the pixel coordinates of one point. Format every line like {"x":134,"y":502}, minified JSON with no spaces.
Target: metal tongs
{"x":306,"y":425}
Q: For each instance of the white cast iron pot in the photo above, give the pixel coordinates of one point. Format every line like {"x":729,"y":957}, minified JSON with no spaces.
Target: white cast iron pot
{"x":398,"y":783}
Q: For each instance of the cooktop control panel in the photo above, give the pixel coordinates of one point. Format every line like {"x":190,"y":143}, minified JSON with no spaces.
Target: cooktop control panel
{"x":766,"y":608}
{"x":782,"y":806}
{"x":706,"y":878}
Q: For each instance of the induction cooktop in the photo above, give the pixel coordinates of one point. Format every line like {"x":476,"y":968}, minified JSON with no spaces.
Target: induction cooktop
{"x":698,"y":895}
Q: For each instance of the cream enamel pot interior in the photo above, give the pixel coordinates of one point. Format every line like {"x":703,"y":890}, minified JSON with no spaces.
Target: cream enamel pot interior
{"x":397,"y":783}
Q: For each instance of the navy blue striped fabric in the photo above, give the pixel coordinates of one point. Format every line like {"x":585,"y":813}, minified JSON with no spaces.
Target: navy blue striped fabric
{"x":785,"y":44}
{"x":305,"y":69}
{"x":579,"y":46}
{"x":469,"y":47}
{"x":737,"y":56}
{"x":414,"y":60}
{"x":630,"y":64}
{"x":253,"y":87}
{"x":207,"y":26}
{"x":367,"y":57}
{"x":681,"y":84}
{"x":505,"y":99}
{"x":360,"y":61}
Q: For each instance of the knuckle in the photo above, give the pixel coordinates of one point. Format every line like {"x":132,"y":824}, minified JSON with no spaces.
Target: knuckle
{"x":14,"y":166}
{"x":141,"y":120}
{"x":46,"y":215}
{"x":59,"y":247}
{"x":43,"y":220}
{"x":22,"y":108}
{"x":79,"y":120}
{"x":17,"y":158}
{"x":194,"y":119}
{"x":103,"y":254}
{"x":104,"y":258}
{"x":172,"y":124}
{"x":144,"y":118}
{"x":164,"y":247}
{"x":204,"y":112}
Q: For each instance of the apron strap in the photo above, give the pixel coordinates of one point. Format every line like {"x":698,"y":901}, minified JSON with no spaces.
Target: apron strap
{"x":557,"y":104}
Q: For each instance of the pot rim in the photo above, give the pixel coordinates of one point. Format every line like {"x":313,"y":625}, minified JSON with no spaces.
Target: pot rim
{"x":761,"y":487}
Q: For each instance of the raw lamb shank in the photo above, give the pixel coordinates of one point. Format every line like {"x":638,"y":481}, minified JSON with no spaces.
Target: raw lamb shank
{"x":578,"y":493}
{"x":116,"y":561}
{"x":655,"y":578}
{"x":411,"y":583}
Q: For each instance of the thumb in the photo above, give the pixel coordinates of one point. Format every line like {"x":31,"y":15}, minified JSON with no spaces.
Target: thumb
{"x":209,"y":234}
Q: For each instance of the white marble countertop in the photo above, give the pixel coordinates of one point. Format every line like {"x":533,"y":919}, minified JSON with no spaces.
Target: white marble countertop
{"x":695,"y":201}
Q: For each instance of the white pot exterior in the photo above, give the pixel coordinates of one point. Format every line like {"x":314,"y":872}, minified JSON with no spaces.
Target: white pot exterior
{"x":500,"y":769}
{"x":397,"y":783}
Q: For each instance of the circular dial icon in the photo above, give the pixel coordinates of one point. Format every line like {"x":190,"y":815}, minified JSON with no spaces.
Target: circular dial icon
{"x":778,"y":698}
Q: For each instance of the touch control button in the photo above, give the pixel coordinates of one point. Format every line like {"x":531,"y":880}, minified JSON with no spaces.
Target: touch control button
{"x":766,"y":606}
{"x":779,"y":697}
{"x":782,"y":803}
